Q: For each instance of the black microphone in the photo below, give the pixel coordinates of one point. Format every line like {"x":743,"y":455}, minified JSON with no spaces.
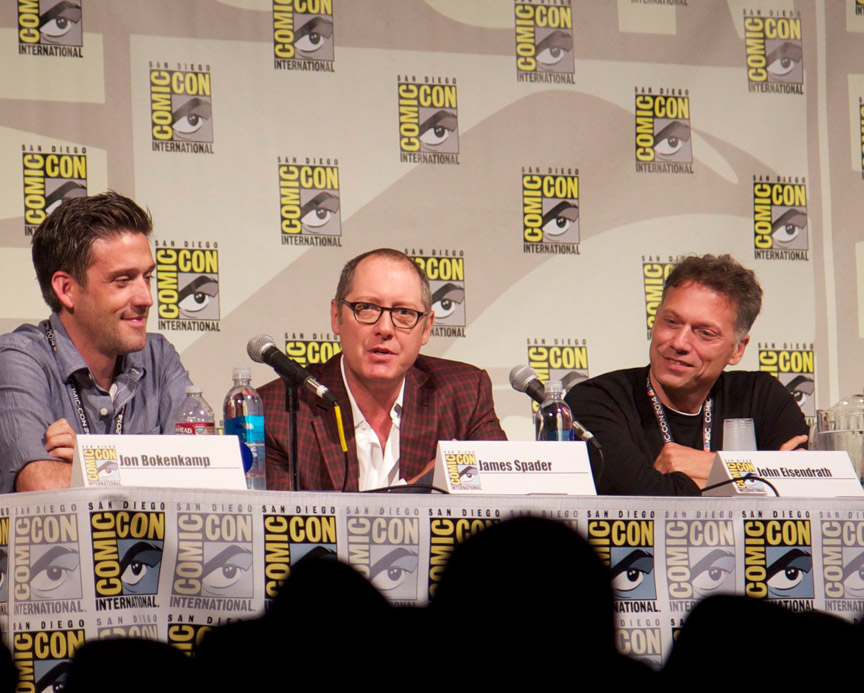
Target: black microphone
{"x":261,"y":349}
{"x":524,"y":379}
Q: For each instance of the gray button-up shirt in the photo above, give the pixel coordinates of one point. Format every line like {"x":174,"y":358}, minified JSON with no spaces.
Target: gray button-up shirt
{"x":35,"y":392}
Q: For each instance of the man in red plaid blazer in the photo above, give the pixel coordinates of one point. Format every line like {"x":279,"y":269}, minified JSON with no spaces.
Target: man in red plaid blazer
{"x":405,"y":403}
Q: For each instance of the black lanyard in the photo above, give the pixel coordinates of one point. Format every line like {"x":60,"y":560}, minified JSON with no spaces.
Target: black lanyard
{"x":663,"y":422}
{"x":76,"y":396}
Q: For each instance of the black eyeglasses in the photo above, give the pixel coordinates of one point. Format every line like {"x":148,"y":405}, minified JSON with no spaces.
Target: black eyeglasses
{"x":369,"y":314}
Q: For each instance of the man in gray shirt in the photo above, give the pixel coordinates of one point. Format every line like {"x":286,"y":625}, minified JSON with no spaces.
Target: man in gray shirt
{"x":91,"y":367}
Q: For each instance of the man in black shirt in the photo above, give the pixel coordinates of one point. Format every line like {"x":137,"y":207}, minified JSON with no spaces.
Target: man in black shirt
{"x":660,"y":425}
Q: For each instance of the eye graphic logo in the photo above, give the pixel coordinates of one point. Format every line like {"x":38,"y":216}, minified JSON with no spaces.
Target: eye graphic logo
{"x":565,"y":361}
{"x":544,"y":43}
{"x":49,"y":179}
{"x":654,"y":276}
{"x":700,"y":558}
{"x":50,"y":27}
{"x":428,"y":122}
{"x":311,"y":352}
{"x":290,"y":538}
{"x":447,"y":281}
{"x":774,"y":54}
{"x":127,"y":552}
{"x":627,"y":547}
{"x":187,"y":288}
{"x":778,"y":561}
{"x":214,"y":556}
{"x":663,"y":142}
{"x":101,"y":466}
{"x":463,"y":470}
{"x":47,"y":559}
{"x":859,"y":7}
{"x":780,"y":220}
{"x":181,"y":111}
{"x":309,"y":205}
{"x":4,"y":563}
{"x":444,"y":535}
{"x":550,"y":213}
{"x":303,"y":35}
{"x":843,"y":565}
{"x":43,"y":657}
{"x":386,"y":551}
{"x":794,"y":368}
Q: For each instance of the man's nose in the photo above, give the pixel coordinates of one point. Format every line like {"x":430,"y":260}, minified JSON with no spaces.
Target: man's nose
{"x":142,"y":295}
{"x":385,"y":324}
{"x":682,"y":339}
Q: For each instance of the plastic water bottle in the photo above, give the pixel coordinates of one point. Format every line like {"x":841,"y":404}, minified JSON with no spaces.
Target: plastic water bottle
{"x":195,"y":417}
{"x":244,"y":417}
{"x":554,"y":419}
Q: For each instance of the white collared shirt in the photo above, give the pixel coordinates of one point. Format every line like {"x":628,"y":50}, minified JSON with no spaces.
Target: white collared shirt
{"x":378,"y":468}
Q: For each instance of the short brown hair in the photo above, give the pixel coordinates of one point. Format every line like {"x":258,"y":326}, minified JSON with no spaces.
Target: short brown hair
{"x":64,"y":240}
{"x":726,"y":276}
{"x":346,"y":279}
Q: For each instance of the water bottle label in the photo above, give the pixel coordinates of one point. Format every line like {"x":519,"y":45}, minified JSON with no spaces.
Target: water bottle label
{"x":193,"y":428}
{"x":249,"y":428}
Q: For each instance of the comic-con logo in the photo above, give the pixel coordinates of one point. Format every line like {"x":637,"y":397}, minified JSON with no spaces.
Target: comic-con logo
{"x":778,"y":560}
{"x":550,"y":211}
{"x":309,"y":203}
{"x":101,"y":465}
{"x":861,"y":117}
{"x":563,"y":360}
{"x":544,"y":42}
{"x":50,"y":27}
{"x":311,"y":352}
{"x":795,"y":368}
{"x":214,"y":559}
{"x":654,"y":275}
{"x":843,"y":565}
{"x":627,"y":547}
{"x":290,"y":538}
{"x":186,"y":637}
{"x":127,"y":555}
{"x":47,"y":561}
{"x":463,"y":471}
{"x":303,"y":35}
{"x":663,"y":142}
{"x":775,"y":52}
{"x":859,"y":7}
{"x":187,"y":286}
{"x":446,"y":273}
{"x":700,"y":558}
{"x":386,"y":551}
{"x":181,"y":109}
{"x":43,"y":657}
{"x":4,"y":563}
{"x":444,"y":535}
{"x":49,"y":179}
{"x":428,"y":120}
{"x":780,"y":218}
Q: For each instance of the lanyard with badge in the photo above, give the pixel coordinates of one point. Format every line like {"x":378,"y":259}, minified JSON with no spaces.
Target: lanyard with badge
{"x":76,"y":396}
{"x":663,"y":422}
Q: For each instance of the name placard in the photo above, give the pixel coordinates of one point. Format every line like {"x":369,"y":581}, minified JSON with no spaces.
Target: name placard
{"x":795,"y":474}
{"x":487,"y":467}
{"x":103,"y":461}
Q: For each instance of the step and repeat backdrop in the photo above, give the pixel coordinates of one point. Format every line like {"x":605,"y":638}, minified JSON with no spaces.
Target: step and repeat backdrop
{"x":172,"y":565}
{"x":544,"y":161}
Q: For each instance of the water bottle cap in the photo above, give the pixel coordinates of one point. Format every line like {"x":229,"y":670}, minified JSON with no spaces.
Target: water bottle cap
{"x":241,"y":373}
{"x":193,"y":390}
{"x":554,"y":386}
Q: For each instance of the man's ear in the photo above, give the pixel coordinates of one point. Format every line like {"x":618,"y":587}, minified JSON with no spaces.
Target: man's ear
{"x":65,"y":288}
{"x":738,"y":353}
{"x":335,"y":318}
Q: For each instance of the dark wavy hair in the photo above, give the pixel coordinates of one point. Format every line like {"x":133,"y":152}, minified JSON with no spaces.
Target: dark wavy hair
{"x":64,"y":240}
{"x":726,"y":276}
